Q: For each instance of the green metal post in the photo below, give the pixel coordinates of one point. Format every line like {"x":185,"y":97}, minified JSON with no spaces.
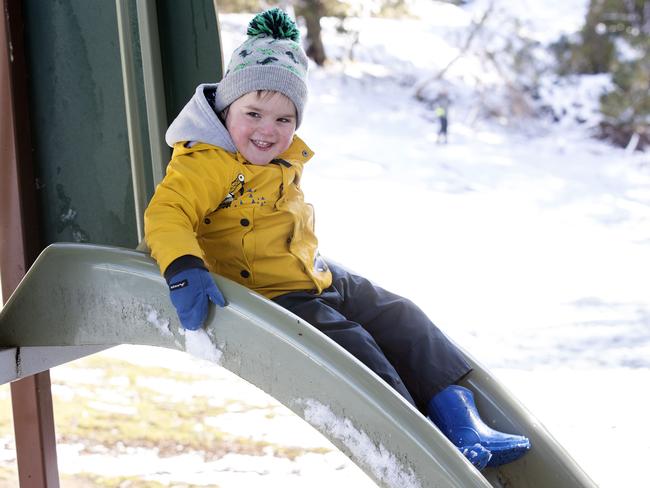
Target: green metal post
{"x":132,"y":114}
{"x":154,"y":87}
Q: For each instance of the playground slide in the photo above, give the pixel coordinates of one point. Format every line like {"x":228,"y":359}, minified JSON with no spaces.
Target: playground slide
{"x":96,"y":296}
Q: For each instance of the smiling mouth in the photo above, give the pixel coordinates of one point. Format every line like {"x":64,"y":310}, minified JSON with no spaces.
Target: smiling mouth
{"x":261,"y":144}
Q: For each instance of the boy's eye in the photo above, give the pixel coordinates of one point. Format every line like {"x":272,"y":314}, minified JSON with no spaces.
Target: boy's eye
{"x":284,"y":120}
{"x":253,"y":114}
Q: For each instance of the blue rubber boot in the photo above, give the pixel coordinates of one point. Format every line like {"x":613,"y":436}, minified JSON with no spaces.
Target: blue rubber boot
{"x":454,"y":412}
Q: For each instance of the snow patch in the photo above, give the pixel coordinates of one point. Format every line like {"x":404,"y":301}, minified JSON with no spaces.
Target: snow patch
{"x":383,"y":464}
{"x":162,"y":324}
{"x":199,"y":344}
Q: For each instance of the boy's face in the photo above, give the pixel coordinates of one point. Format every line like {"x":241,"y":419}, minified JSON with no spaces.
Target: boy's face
{"x":261,"y":125}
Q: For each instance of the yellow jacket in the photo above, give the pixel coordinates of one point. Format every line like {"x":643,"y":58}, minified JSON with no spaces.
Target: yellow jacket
{"x":248,"y":223}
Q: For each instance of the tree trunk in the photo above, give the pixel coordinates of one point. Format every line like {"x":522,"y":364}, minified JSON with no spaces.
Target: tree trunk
{"x":312,"y":11}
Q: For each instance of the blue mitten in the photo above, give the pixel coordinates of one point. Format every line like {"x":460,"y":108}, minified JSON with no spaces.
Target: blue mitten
{"x":190,"y":291}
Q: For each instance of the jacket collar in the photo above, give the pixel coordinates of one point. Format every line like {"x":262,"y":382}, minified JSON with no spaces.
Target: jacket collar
{"x":297,"y":153}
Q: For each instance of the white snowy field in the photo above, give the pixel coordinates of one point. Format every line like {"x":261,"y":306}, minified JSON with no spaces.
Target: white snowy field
{"x":527,"y":242}
{"x":529,"y":245}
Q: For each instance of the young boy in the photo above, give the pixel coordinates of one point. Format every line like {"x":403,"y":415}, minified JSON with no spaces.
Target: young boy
{"x":231,"y":204}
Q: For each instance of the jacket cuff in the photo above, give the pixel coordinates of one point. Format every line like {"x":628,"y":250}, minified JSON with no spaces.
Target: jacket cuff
{"x":181,"y":264}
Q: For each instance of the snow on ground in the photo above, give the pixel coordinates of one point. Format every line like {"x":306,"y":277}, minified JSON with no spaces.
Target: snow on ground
{"x":534,"y":254}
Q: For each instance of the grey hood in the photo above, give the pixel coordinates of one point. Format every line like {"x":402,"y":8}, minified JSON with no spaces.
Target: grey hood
{"x":198,"y":122}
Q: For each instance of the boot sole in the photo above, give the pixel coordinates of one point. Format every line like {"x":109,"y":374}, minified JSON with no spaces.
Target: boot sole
{"x":507,"y":455}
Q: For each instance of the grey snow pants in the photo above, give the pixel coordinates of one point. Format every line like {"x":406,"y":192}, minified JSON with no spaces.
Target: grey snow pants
{"x":386,"y":332}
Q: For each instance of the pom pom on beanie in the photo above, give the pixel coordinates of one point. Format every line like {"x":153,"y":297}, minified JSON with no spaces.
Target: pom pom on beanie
{"x":275,"y":23}
{"x":270,"y":59}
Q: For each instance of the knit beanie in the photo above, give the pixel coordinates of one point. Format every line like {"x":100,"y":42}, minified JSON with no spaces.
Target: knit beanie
{"x":270,"y":59}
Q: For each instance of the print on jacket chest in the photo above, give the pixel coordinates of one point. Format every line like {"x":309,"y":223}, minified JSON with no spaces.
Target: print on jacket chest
{"x":236,"y":186}
{"x":238,"y":195}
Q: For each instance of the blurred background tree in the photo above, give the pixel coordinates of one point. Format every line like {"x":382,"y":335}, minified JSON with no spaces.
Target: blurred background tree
{"x":615,"y":39}
{"x":312,"y":11}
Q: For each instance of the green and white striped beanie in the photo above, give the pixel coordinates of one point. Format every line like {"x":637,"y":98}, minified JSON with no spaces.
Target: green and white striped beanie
{"x":270,"y":59}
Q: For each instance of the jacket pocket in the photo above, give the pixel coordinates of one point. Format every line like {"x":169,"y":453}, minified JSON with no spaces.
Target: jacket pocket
{"x":228,"y":242}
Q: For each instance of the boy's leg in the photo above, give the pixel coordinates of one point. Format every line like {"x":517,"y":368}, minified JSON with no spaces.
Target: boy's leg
{"x":422,"y":355}
{"x":319,"y":312}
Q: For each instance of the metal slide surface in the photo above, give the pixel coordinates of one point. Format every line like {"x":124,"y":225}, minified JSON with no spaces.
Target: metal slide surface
{"x":87,"y":295}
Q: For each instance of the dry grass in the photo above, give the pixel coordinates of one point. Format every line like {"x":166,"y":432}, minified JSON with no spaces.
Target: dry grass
{"x":111,"y":407}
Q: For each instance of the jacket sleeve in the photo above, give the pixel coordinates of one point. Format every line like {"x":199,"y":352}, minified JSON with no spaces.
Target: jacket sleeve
{"x":195,"y":185}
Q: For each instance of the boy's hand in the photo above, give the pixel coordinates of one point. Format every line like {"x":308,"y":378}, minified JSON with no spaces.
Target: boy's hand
{"x":190,"y":291}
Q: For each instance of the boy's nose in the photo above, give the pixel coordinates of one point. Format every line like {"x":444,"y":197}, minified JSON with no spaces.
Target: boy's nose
{"x":265,"y":128}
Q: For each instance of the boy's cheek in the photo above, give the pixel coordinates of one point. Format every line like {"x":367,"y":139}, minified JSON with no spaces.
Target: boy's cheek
{"x":287,"y":144}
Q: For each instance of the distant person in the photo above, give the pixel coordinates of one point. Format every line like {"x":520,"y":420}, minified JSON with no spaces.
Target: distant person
{"x":441,"y":113}
{"x":441,"y":107}
{"x":231,"y":204}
